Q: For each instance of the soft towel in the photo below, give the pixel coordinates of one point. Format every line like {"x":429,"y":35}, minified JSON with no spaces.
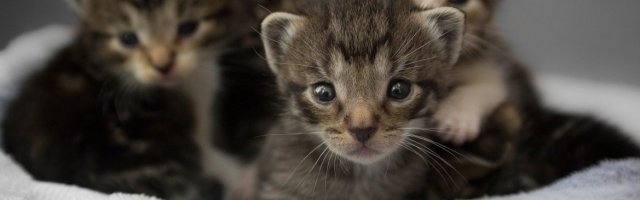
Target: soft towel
{"x":16,"y":184}
{"x":612,"y":180}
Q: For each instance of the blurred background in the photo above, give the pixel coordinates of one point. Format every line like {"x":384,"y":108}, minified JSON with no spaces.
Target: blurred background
{"x":592,"y":39}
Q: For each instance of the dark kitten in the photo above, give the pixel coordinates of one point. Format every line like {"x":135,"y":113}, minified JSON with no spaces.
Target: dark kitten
{"x":127,"y":106}
{"x":543,"y":147}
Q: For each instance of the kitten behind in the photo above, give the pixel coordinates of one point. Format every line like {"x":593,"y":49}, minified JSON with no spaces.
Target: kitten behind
{"x":123,"y":108}
{"x":518,"y":153}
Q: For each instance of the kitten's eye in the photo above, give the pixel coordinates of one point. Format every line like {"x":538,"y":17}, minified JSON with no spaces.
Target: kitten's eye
{"x":187,"y":28}
{"x":399,"y":89}
{"x":129,"y":39}
{"x":324,"y":92}
{"x":458,"y":2}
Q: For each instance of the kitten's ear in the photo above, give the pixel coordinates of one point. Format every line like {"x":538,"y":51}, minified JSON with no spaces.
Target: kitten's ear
{"x":278,"y":29}
{"x":446,"y":26}
{"x":79,"y":6}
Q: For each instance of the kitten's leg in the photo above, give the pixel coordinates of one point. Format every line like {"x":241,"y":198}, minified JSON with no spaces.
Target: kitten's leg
{"x":482,"y":89}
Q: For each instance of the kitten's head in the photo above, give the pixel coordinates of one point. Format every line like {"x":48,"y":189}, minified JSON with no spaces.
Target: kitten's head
{"x":151,"y":42}
{"x":356,"y":74}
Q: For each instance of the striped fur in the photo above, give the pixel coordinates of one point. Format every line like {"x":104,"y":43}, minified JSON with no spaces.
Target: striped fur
{"x":360,"y":48}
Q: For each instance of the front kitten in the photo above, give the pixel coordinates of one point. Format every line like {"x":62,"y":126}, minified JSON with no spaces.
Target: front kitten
{"x":355,"y":79}
{"x":127,"y":105}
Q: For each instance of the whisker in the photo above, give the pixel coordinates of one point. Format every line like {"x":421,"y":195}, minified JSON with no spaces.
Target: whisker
{"x":454,"y":153}
{"x":431,"y":152}
{"x":265,"y":8}
{"x":417,"y":61}
{"x":406,"y":42}
{"x":422,"y":46}
{"x":403,"y":145}
{"x":305,"y":157}
{"x":439,"y":131}
{"x":287,"y":134}
{"x":411,"y":142}
{"x":437,"y":161}
{"x":314,"y":166}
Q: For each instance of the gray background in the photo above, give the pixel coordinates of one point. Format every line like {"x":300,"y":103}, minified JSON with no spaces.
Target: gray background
{"x":594,"y":39}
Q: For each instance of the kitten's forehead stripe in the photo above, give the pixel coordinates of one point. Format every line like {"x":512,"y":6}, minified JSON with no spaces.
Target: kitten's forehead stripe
{"x":348,"y":37}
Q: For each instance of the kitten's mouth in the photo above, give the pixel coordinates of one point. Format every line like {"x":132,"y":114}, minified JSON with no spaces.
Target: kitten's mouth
{"x":166,"y":80}
{"x":364,"y":151}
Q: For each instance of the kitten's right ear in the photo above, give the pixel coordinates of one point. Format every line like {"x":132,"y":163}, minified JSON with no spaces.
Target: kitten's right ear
{"x":278,"y":29}
{"x":79,"y":6}
{"x":446,"y":25}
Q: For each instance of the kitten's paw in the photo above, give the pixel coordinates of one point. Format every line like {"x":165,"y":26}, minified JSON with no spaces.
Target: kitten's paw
{"x":458,"y":125}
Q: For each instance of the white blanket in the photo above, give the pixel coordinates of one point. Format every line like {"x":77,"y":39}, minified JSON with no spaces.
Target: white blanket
{"x":618,"y":180}
{"x":16,"y":184}
{"x":611,"y":180}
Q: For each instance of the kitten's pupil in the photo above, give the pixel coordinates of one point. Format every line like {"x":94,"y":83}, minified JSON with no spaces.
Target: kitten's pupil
{"x":324,"y":92}
{"x":399,"y":89}
{"x":129,"y":39}
{"x":187,"y":28}
{"x":458,"y":2}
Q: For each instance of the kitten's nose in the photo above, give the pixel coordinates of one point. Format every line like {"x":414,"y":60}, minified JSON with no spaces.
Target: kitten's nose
{"x":164,"y":69}
{"x":162,"y":59}
{"x":362,"y":123}
{"x":363,"y":134}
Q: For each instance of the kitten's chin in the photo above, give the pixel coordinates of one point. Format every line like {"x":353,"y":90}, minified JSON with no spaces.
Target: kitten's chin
{"x":365,"y":155}
{"x":166,"y":82}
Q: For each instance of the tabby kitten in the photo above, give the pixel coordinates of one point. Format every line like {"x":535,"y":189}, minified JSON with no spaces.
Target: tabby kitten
{"x":355,"y":76}
{"x":485,"y":77}
{"x":127,"y":106}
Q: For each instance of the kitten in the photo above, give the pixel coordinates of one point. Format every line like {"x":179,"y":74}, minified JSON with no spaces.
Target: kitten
{"x":486,"y":75}
{"x":127,"y":106}
{"x":355,"y":75}
{"x":544,"y":147}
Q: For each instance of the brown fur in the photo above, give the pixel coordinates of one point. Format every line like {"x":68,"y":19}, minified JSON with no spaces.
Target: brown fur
{"x":358,"y":47}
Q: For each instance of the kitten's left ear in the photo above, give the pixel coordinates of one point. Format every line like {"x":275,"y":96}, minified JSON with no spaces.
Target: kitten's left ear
{"x":446,"y":26}
{"x":278,"y":29}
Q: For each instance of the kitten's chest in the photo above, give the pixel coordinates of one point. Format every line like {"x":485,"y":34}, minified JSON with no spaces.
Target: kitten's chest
{"x":164,"y":115}
{"x":382,"y":185}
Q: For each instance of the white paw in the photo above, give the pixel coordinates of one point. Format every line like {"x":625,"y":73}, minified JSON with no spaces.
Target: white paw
{"x":458,"y":125}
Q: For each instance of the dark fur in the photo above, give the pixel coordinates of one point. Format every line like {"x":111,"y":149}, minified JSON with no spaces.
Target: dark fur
{"x":548,"y":145}
{"x":248,"y":100}
{"x":105,"y":142}
{"x":83,"y":120}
